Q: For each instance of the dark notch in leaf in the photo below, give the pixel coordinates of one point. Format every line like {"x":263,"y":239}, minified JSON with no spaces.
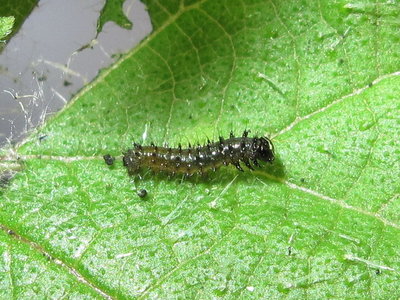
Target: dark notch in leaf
{"x":112,"y":11}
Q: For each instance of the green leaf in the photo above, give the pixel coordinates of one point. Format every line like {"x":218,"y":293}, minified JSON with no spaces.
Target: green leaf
{"x":26,"y":271}
{"x":19,"y":10}
{"x":112,"y":11}
{"x":6,"y":24}
{"x":322,"y":78}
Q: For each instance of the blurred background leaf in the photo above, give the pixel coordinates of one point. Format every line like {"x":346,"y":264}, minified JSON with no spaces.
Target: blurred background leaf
{"x":19,"y":9}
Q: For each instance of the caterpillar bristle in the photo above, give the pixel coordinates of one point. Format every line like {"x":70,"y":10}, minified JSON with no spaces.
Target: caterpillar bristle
{"x":247,"y":164}
{"x":237,"y":165}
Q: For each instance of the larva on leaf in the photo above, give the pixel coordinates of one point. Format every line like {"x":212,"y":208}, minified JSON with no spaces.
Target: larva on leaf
{"x":200,"y":159}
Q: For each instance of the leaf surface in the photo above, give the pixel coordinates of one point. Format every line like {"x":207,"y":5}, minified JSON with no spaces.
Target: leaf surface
{"x":6,"y":24}
{"x":322,"y":78}
{"x":112,"y":11}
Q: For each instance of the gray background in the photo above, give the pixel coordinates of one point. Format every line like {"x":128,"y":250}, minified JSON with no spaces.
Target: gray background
{"x":42,"y":66}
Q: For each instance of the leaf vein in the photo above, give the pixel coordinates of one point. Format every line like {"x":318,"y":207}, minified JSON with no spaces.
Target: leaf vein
{"x":71,"y":270}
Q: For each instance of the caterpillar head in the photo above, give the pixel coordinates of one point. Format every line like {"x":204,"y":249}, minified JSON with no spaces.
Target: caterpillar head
{"x":264,"y":149}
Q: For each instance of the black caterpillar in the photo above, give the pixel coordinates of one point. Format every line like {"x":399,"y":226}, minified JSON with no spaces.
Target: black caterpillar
{"x":200,"y":159}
